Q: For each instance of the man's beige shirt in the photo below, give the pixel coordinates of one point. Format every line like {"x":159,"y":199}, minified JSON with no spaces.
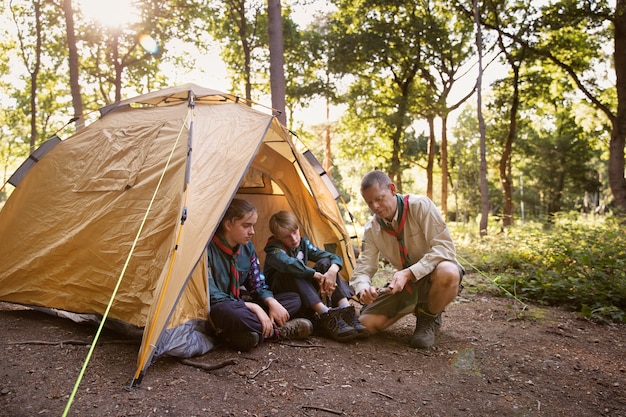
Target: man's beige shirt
{"x":426,"y":237}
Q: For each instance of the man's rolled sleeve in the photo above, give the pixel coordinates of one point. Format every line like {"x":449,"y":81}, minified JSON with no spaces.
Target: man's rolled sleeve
{"x":436,"y":235}
{"x":366,"y":264}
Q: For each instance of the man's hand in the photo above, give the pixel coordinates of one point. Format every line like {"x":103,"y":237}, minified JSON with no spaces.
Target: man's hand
{"x":368,"y":295}
{"x":400,"y":279}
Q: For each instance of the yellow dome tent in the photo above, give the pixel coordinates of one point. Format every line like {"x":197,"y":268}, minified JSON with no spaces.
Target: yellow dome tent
{"x":128,"y":204}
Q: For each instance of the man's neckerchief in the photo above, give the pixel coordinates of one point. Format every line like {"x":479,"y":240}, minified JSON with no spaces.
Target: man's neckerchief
{"x":234,"y":273}
{"x":403,"y":210}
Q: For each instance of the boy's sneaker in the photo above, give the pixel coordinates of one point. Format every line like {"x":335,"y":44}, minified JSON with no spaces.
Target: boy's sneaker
{"x":331,"y":324}
{"x":295,"y":329}
{"x":243,"y":341}
{"x":349,"y":316}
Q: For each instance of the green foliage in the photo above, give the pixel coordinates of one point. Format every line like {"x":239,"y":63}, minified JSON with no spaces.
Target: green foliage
{"x":576,"y":264}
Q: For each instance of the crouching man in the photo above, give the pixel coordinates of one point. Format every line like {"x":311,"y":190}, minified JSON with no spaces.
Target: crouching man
{"x":409,"y":232}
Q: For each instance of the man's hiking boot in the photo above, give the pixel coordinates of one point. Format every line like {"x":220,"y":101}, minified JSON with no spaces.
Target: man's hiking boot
{"x":243,"y":341}
{"x":349,"y":316}
{"x":425,"y":328}
{"x":295,"y":329}
{"x":424,"y":306}
{"x":332,"y":325}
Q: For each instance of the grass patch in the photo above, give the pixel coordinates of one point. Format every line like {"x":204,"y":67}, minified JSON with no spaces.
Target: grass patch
{"x":577,"y":264}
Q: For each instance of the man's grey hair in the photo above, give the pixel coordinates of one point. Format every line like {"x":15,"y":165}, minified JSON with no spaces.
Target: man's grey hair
{"x":375,"y":177}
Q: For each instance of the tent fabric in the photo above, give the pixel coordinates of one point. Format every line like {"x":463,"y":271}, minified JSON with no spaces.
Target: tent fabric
{"x":137,"y":195}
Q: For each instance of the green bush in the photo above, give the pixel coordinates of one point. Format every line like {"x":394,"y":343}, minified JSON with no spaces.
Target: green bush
{"x":578,"y":264}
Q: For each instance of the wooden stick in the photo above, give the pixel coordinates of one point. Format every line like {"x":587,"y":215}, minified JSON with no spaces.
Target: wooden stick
{"x":72,"y":342}
{"x":303,"y":388}
{"x":383,"y":394}
{"x":208,"y":367}
{"x":328,"y":410}
{"x":308,"y":345}
{"x":265,"y":368}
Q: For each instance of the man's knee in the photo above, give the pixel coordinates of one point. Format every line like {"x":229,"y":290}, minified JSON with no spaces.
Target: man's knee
{"x":374,"y":322}
{"x":377,"y":322}
{"x":447,"y":274}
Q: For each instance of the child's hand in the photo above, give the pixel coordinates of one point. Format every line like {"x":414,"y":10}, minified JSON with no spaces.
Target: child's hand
{"x":264,"y":319}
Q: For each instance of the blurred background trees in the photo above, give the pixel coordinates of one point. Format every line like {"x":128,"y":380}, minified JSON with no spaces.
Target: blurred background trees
{"x":396,"y":81}
{"x":389,"y":85}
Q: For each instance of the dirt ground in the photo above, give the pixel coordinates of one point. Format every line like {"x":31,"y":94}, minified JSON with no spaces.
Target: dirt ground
{"x":493,"y":358}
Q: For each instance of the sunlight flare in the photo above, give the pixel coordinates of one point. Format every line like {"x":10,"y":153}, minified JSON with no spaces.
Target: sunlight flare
{"x":112,"y":13}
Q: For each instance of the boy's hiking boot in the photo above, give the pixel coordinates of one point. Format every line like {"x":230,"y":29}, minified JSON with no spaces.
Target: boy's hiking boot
{"x":243,"y":341}
{"x":295,"y":329}
{"x":332,"y":325}
{"x":425,"y":328}
{"x":349,"y":316}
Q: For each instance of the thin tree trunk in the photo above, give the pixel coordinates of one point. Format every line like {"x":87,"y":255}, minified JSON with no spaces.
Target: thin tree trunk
{"x":33,"y":70}
{"x":505,"y":159}
{"x":277,"y":58}
{"x":395,"y":171}
{"x":238,"y":10}
{"x":431,"y":156}
{"x":328,"y":157}
{"x":117,"y":64}
{"x":617,"y":181}
{"x":444,"y":167}
{"x":484,"y":191}
{"x":77,"y":101}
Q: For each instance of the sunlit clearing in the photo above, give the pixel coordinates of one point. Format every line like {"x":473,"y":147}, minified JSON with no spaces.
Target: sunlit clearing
{"x":111,"y":13}
{"x":148,"y":43}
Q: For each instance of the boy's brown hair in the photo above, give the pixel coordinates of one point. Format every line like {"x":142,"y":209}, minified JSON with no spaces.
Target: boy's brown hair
{"x":283,"y":220}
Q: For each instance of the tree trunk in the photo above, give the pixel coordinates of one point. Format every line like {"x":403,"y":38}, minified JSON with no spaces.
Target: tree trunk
{"x":484,"y":190}
{"x":505,"y":158}
{"x":431,"y":156}
{"x":277,"y":59}
{"x":328,"y":155}
{"x":444,"y":167}
{"x":77,"y":101}
{"x":395,"y":172}
{"x":617,"y":181}
{"x":117,"y":64}
{"x":238,"y":11}
{"x":34,"y":77}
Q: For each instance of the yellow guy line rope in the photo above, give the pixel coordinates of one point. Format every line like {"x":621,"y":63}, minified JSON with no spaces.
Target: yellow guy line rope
{"x":119,"y":281}
{"x":493,"y":281}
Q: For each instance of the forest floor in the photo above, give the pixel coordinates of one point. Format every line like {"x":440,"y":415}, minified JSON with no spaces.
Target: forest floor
{"x":494,"y":357}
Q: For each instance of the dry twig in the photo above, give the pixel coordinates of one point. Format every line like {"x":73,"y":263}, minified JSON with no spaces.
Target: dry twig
{"x":308,"y":345}
{"x":265,"y":368}
{"x":303,"y":388}
{"x":328,"y":410}
{"x":208,"y":367}
{"x":73,"y":342}
{"x":383,"y":394}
